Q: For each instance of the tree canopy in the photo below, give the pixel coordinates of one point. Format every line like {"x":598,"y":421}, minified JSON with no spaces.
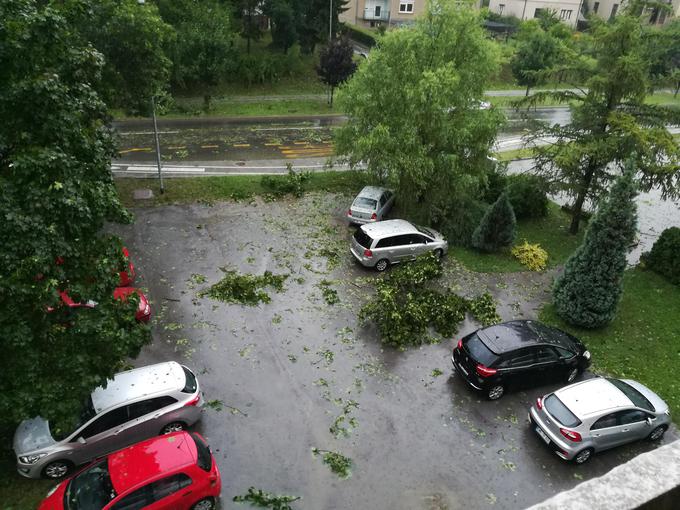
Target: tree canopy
{"x":414,"y":117}
{"x":56,"y":193}
{"x":336,"y":63}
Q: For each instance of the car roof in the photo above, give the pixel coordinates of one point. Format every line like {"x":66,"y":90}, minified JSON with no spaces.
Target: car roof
{"x":389,"y":227}
{"x":373,"y":192}
{"x":593,"y":396}
{"x":509,"y":336}
{"x":142,"y":462}
{"x":139,"y":382}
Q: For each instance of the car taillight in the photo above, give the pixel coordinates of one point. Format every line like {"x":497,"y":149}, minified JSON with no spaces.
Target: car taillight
{"x":571,"y":435}
{"x":349,"y":212}
{"x":368,"y":253}
{"x":460,"y":344}
{"x":194,"y":401}
{"x":485,"y":371}
{"x":539,"y":403}
{"x":374,"y":216}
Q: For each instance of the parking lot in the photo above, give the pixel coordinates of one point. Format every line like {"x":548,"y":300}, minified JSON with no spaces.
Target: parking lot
{"x":278,"y":377}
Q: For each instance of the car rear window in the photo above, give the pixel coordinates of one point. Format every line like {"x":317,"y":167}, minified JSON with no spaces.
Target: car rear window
{"x":560,"y":412}
{"x":480,"y":352}
{"x":363,"y":238}
{"x":204,"y":456}
{"x":368,"y":203}
{"x":637,"y":398}
{"x":191,"y":384}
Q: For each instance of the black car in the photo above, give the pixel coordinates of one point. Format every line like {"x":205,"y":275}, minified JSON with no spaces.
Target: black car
{"x":518,"y":354}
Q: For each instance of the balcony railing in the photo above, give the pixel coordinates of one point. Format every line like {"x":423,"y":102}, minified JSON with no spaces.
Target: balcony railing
{"x":376,"y":14}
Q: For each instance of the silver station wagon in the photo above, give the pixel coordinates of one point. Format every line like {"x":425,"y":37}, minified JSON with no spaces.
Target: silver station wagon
{"x":370,"y":205}
{"x":597,"y":414}
{"x":135,"y":405}
{"x":389,"y":242}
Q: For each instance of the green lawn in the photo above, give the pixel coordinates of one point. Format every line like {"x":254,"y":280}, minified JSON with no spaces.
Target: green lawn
{"x":230,"y":187}
{"x":643,"y":342}
{"x":550,"y":232}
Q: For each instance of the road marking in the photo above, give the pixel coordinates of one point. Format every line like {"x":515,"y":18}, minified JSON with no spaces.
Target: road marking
{"x":209,"y":146}
{"x":127,"y":133}
{"x":169,"y":169}
{"x":273,"y":144}
{"x":241,"y":145}
{"x":301,"y":143}
{"x":178,"y":147}
{"x":290,"y":128}
{"x":136,"y":149}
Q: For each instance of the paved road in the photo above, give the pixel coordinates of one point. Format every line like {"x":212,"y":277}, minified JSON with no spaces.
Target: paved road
{"x":279,"y":375}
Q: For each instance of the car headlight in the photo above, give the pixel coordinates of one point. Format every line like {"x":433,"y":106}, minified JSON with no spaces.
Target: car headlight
{"x":31,"y":459}
{"x":53,"y":490}
{"x":586,"y":354}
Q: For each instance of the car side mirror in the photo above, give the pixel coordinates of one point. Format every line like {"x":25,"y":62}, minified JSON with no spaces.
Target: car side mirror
{"x":82,"y":440}
{"x":649,"y":421}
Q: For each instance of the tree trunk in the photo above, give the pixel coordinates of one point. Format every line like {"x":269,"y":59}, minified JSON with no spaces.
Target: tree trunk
{"x":527,"y":94}
{"x":332,"y":90}
{"x":577,"y":208}
{"x":676,"y":89}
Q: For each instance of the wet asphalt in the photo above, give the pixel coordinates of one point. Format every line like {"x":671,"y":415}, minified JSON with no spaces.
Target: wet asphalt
{"x":284,"y":371}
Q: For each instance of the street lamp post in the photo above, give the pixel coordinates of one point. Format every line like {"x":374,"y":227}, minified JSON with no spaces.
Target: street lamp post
{"x":158,"y":145}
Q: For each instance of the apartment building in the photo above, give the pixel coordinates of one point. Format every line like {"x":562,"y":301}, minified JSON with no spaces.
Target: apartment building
{"x":566,"y":10}
{"x":607,"y":9}
{"x":371,"y":13}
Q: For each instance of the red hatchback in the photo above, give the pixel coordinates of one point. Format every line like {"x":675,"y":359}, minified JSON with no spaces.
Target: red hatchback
{"x":171,"y":472}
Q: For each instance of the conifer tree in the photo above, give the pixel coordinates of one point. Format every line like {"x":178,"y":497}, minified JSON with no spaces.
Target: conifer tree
{"x":497,"y":228}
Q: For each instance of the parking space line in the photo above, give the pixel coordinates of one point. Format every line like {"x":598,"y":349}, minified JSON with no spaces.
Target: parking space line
{"x":241,"y":145}
{"x":209,"y":146}
{"x":136,"y":149}
{"x":178,"y":147}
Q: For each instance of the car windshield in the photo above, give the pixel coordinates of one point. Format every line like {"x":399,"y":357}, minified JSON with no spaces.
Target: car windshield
{"x":637,"y":398}
{"x":90,"y":489}
{"x":363,"y":238}
{"x":553,"y":336}
{"x":425,"y":231}
{"x":368,"y":203}
{"x":480,"y":352}
{"x":560,"y":412}
{"x":87,"y":412}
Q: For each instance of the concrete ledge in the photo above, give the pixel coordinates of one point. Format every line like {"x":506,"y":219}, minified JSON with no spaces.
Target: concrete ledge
{"x":649,"y":481}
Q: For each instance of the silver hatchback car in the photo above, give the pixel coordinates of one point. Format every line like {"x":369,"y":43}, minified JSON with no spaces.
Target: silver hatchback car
{"x":389,"y":242}
{"x":597,"y":414}
{"x":135,"y":405}
{"x":371,"y":205}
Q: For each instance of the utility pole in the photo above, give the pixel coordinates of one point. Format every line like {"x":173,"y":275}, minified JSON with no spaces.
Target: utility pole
{"x":158,"y":145}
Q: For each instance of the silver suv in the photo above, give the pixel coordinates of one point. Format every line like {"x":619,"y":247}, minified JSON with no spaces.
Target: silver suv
{"x":594,"y":415}
{"x":388,"y":242}
{"x":135,"y":405}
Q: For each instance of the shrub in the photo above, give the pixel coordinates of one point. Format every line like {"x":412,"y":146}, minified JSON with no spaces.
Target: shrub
{"x":293,"y":183}
{"x":462,"y":220}
{"x":531,"y":255}
{"x":664,"y":257}
{"x":362,"y":36}
{"x":528,"y":195}
{"x":497,"y":228}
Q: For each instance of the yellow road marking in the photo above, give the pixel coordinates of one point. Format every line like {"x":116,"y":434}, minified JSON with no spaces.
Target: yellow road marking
{"x":272,"y":144}
{"x":179,"y":147}
{"x":209,"y":146}
{"x":137,"y":149}
{"x":241,"y":145}
{"x":301,"y":143}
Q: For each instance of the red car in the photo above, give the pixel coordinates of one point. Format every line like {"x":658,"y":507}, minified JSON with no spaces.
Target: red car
{"x":127,"y":277}
{"x":143,"y":313}
{"x":171,"y":472}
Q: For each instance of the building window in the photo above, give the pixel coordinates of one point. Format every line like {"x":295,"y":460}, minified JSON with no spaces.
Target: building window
{"x":596,"y":6}
{"x":565,"y":14}
{"x":615,"y":8}
{"x":501,"y":8}
{"x":406,"y":6}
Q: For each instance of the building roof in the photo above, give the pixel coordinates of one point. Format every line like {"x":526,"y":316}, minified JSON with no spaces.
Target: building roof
{"x":138,"y":383}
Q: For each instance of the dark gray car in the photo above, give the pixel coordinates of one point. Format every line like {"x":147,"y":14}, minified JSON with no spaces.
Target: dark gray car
{"x":135,"y":405}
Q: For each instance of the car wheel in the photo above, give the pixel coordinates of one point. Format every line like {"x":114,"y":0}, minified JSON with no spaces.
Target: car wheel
{"x":572,"y":375}
{"x":381,"y":265}
{"x":657,"y":433}
{"x":438,"y":253}
{"x":583,"y":456}
{"x":204,"y":504}
{"x":495,"y":392}
{"x":57,"y":469}
{"x":175,"y":426}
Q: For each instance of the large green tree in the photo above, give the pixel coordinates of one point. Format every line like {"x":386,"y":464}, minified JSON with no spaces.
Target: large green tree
{"x":56,"y":193}
{"x":414,"y":117}
{"x":336,"y":63}
{"x":587,"y":294}
{"x":131,"y":38}
{"x":610,"y":122}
